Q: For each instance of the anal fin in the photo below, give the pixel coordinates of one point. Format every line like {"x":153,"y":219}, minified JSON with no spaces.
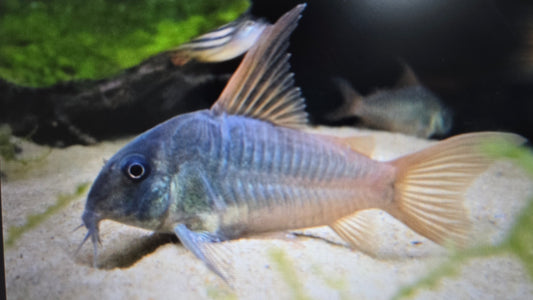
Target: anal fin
{"x":357,"y":229}
{"x":206,"y":246}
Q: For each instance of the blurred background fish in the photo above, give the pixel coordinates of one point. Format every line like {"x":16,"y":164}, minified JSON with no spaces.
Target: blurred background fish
{"x":412,"y":109}
{"x":224,"y":43}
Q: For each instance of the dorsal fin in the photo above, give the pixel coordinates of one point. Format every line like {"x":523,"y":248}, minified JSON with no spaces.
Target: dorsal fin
{"x":352,"y":101}
{"x":262,"y":86}
{"x":408,"y":77}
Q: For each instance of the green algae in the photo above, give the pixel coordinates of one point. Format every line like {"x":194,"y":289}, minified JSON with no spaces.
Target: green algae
{"x":45,"y":42}
{"x":34,"y":220}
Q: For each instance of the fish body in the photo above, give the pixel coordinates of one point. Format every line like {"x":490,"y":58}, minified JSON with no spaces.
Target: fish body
{"x":235,"y":175}
{"x":245,"y":166}
{"x":412,"y":110}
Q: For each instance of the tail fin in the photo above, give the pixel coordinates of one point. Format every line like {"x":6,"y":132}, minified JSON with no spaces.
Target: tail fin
{"x":430,"y":185}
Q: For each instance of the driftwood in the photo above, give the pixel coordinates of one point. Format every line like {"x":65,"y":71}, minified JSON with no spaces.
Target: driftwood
{"x":83,"y":112}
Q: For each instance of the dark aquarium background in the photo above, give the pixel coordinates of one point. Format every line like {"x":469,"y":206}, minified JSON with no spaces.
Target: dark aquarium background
{"x":98,"y":72}
{"x":476,"y":55}
{"x":77,"y":72}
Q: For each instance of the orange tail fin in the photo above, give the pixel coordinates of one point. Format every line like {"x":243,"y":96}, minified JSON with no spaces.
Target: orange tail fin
{"x":430,"y":185}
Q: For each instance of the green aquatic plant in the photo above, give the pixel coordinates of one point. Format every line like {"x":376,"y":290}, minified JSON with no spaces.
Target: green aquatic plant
{"x":335,"y":282}
{"x":221,"y":294}
{"x":15,"y":162}
{"x":519,"y":241}
{"x":34,"y":220}
{"x":286,"y":269}
{"x":451,"y":267}
{"x":45,"y":42}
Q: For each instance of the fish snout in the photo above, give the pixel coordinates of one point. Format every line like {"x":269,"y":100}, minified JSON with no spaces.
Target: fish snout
{"x":88,"y":218}
{"x":91,"y":220}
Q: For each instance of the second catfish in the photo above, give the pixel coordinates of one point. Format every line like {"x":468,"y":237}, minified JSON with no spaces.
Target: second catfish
{"x":411,"y":108}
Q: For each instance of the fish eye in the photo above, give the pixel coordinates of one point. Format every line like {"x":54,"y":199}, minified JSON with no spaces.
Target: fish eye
{"x":136,"y":168}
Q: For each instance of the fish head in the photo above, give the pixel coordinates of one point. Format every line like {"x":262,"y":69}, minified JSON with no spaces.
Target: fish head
{"x":131,"y":188}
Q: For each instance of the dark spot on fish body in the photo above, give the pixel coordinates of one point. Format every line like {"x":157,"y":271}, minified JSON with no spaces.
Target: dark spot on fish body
{"x":153,"y":210}
{"x":192,"y":194}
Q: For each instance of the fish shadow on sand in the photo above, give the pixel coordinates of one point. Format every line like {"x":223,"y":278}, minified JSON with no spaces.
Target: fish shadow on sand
{"x":400,"y":250}
{"x":128,"y":254}
{"x":133,"y":251}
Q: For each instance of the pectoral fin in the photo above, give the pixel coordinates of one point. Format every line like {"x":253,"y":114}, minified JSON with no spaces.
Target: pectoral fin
{"x":205,"y":246}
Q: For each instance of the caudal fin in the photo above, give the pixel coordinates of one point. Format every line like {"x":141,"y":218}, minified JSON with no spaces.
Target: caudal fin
{"x":430,"y":185}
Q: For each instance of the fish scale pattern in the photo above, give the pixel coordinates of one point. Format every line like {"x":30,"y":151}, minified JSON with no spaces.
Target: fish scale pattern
{"x":272,"y":177}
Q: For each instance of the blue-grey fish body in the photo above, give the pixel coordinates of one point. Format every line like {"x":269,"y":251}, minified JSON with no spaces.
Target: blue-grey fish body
{"x":412,"y":110}
{"x":235,"y":175}
{"x":245,"y":166}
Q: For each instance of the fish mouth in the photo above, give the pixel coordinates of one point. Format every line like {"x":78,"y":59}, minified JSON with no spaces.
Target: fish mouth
{"x":91,"y":220}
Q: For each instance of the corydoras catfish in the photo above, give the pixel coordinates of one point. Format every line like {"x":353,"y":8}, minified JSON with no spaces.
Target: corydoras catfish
{"x":221,"y":44}
{"x":245,"y":167}
{"x":412,"y":109}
